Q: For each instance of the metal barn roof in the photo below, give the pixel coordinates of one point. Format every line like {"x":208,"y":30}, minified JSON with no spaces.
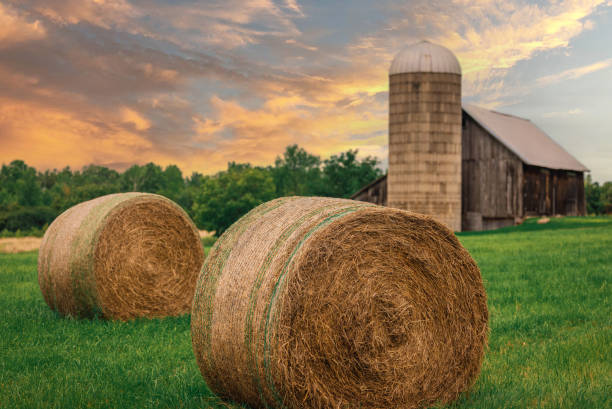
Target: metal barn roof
{"x":425,"y":57}
{"x":525,"y":139}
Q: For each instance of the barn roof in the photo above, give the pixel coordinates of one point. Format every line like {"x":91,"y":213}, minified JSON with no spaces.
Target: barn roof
{"x":525,"y":139}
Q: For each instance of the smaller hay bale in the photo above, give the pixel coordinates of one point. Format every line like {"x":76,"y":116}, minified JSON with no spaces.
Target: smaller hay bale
{"x":332,"y":303}
{"x":121,"y":256}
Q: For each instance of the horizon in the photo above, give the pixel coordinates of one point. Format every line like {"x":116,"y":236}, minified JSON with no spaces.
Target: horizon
{"x":117,"y":83}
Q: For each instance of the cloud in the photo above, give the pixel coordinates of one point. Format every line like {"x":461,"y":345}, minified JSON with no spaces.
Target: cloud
{"x":258,"y":135}
{"x":88,"y":83}
{"x":227,"y":24}
{"x":102,"y":13}
{"x":575,"y":111}
{"x":574,"y":73}
{"x":15,"y":28}
{"x":298,"y":44}
{"x":489,"y":37}
{"x":294,"y":6}
{"x":508,"y":33}
{"x":43,"y":136}
{"x":129,"y":116}
{"x":200,"y":84}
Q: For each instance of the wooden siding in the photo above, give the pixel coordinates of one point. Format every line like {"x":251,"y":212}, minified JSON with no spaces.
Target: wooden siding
{"x":375,"y":192}
{"x":492,"y":178}
{"x":551,"y":192}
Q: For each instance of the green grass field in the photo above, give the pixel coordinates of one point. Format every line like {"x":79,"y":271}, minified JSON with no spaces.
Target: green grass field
{"x":550,"y":345}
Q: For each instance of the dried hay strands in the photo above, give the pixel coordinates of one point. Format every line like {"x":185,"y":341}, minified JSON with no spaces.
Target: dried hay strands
{"x":332,"y":303}
{"x":121,"y":256}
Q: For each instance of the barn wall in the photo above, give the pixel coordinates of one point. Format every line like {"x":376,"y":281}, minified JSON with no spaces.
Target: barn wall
{"x":374,"y":193}
{"x":551,"y":192}
{"x":492,"y":178}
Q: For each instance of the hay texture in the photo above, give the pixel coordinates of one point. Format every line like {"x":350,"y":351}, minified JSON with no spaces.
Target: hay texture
{"x":121,"y":256}
{"x":332,"y":303}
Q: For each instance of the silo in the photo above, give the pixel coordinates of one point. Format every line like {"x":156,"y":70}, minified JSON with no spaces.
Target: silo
{"x":425,"y":133}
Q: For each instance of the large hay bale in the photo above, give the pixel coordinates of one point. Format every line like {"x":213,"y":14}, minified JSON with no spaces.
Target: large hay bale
{"x":331,"y":303}
{"x":121,"y":256}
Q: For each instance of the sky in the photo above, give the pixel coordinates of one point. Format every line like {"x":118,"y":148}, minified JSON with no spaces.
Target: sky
{"x":202,"y":83}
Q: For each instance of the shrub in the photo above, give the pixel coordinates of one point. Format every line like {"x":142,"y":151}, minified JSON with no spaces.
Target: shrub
{"x":27,"y":218}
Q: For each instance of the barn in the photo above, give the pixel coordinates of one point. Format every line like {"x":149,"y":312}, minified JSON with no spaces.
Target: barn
{"x":470,"y":167}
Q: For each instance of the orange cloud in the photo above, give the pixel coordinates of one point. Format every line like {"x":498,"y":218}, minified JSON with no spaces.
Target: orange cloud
{"x":259,"y":135}
{"x":132,"y":117}
{"x":49,"y":138}
{"x":102,"y":13}
{"x":194,"y":94}
{"x":14,"y":28}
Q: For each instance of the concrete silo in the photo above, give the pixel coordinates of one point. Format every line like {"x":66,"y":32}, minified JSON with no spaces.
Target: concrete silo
{"x":425,"y":133}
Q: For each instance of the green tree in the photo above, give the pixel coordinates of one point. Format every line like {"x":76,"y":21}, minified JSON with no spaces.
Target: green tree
{"x":64,"y":189}
{"x":344,"y":174}
{"x":94,"y":181}
{"x":606,"y":197}
{"x":229,"y":194}
{"x":592,"y":192}
{"x":94,"y":174}
{"x":57,"y":188}
{"x":148,"y":178}
{"x":189,"y":193}
{"x":132,"y":179}
{"x":153,"y":180}
{"x":21,"y":196}
{"x":173,"y":182}
{"x":19,"y":185}
{"x":195,"y":180}
{"x":297,"y":172}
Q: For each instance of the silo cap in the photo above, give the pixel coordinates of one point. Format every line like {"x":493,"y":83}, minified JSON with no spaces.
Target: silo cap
{"x":425,"y":57}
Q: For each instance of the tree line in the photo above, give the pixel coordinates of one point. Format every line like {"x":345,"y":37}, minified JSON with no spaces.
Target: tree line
{"x":31,"y":199}
{"x":598,"y":197}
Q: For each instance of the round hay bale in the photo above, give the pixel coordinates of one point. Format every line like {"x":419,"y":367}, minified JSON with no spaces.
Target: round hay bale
{"x":121,"y":256}
{"x":332,"y":303}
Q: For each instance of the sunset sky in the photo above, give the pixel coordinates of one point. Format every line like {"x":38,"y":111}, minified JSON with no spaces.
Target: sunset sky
{"x":201,"y":83}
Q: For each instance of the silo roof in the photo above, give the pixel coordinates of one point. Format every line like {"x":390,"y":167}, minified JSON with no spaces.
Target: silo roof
{"x":525,"y":139}
{"x":425,"y":57}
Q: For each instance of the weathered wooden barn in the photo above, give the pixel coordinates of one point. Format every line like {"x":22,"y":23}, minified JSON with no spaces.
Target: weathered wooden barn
{"x":470,"y":168}
{"x":510,"y":170}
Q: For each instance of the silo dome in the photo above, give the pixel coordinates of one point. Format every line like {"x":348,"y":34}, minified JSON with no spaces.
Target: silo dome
{"x":425,"y":57}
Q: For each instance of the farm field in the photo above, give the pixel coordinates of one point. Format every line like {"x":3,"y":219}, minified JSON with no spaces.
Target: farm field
{"x":548,"y":287}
